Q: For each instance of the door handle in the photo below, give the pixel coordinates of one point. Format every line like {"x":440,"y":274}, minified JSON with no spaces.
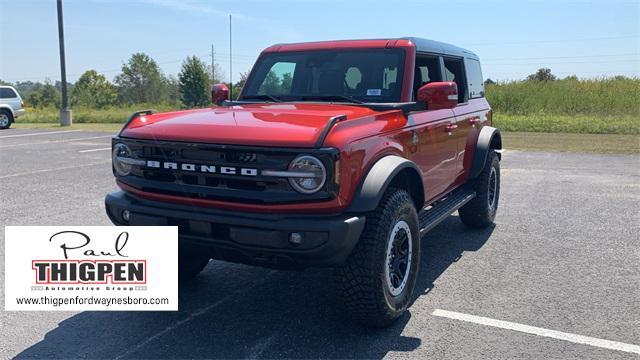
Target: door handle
{"x":449,"y":128}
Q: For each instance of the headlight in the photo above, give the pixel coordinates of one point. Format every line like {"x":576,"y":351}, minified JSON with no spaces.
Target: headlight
{"x":307,"y":174}
{"x":121,"y":151}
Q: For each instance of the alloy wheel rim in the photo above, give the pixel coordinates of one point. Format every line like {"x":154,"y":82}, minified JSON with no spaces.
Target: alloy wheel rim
{"x":493,"y":187}
{"x":4,"y":120}
{"x":399,"y":252}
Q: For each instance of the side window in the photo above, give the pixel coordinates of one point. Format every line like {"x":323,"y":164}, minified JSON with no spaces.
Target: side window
{"x":454,"y":71}
{"x":6,"y":93}
{"x":474,"y":76}
{"x":427,"y":70}
{"x":278,"y":80}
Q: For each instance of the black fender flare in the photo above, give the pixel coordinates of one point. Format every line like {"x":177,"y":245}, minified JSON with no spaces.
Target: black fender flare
{"x":377,"y":180}
{"x":489,"y":138}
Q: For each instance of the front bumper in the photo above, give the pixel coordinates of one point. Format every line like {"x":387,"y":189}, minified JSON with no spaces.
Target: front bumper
{"x":18,"y":113}
{"x":252,"y":238}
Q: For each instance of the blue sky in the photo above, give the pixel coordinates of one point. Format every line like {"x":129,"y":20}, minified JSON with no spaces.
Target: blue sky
{"x":512,"y":38}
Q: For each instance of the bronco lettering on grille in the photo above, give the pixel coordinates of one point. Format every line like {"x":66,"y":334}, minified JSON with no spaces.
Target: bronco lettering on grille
{"x":203,"y":168}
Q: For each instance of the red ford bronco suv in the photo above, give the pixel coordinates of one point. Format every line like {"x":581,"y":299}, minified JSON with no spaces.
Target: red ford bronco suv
{"x":339,"y":154}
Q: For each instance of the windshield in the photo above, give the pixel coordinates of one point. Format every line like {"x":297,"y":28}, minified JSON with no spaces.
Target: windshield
{"x":372,"y":75}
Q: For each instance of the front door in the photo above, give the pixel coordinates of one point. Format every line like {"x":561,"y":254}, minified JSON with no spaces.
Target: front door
{"x":435,"y":134}
{"x":437,"y":149}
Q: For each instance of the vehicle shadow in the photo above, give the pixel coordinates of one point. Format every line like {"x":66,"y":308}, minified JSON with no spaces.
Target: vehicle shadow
{"x":236,"y":311}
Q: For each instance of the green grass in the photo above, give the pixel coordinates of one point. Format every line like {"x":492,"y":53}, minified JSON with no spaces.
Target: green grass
{"x":584,"y":143}
{"x":596,"y":106}
{"x":75,"y":126}
{"x":581,"y":124}
{"x":596,"y":97}
{"x":113,"y":115}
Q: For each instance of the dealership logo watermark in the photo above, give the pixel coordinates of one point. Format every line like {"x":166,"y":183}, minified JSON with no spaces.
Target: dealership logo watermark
{"x":121,"y":271}
{"x":89,"y":272}
{"x":91,"y":268}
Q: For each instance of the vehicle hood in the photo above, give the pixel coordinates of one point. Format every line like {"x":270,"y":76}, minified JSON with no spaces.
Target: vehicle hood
{"x":281,"y":124}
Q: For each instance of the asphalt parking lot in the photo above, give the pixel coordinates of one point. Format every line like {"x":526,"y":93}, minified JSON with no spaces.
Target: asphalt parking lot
{"x":563,"y":256}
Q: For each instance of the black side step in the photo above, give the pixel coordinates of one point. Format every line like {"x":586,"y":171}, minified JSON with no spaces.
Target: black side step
{"x":432,"y":215}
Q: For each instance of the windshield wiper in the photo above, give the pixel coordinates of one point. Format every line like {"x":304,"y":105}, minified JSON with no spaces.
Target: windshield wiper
{"x":334,"y":98}
{"x":262,"y":97}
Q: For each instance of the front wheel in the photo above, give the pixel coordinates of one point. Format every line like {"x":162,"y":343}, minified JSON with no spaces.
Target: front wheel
{"x":480,"y":212}
{"x":379,"y":277}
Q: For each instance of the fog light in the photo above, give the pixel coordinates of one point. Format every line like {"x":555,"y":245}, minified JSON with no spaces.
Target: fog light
{"x":126,"y":215}
{"x":295,"y":238}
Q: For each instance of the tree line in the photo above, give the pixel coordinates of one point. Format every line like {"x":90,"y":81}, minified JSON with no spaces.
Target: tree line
{"x":140,"y":81}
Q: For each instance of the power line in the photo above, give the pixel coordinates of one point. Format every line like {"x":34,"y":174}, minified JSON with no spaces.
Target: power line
{"x":563,"y":57}
{"x":564,"y":62}
{"x":553,"y":41}
{"x":112,"y":70}
{"x":614,"y":72}
{"x":188,"y":51}
{"x":107,"y":71}
{"x":252,"y":57}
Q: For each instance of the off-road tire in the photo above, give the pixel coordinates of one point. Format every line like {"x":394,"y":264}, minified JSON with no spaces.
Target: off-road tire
{"x":9,"y":117}
{"x":191,"y":261}
{"x":479,"y":213}
{"x":362,"y":281}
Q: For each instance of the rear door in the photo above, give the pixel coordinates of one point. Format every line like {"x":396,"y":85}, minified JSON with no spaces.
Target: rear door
{"x":436,"y":150}
{"x":454,"y":71}
{"x":471,"y":114}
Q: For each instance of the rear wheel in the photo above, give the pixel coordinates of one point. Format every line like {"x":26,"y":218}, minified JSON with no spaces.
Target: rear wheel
{"x":481,"y":211}
{"x":6,"y":118}
{"x":191,"y":261}
{"x":378,"y":280}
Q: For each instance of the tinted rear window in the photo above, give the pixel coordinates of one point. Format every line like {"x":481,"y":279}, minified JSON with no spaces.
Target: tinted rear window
{"x":6,"y":93}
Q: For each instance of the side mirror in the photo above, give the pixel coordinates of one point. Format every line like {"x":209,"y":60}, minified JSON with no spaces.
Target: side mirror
{"x":439,"y":95}
{"x":219,"y":93}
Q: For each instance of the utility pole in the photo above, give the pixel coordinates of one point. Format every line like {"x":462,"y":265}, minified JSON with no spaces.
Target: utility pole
{"x":230,"y":64}
{"x":65,"y":113}
{"x":213,"y":66}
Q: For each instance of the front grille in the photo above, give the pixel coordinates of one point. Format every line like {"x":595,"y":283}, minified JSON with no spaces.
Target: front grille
{"x":238,"y":187}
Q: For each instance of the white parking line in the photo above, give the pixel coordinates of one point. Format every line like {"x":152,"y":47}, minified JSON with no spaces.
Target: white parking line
{"x":56,"y":169}
{"x":92,"y":150}
{"x":578,"y":339}
{"x":56,"y":141}
{"x":39,"y":133}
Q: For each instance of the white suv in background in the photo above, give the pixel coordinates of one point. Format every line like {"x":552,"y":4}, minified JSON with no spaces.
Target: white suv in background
{"x":11,"y":106}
